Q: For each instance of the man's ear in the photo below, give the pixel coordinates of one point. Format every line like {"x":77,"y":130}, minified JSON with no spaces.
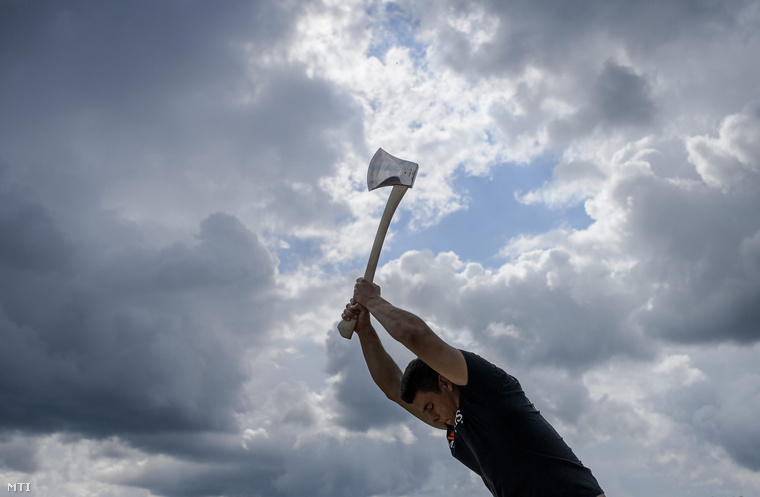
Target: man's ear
{"x":445,"y":383}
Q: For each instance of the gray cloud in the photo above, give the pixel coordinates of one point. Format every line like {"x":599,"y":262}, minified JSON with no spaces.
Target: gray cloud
{"x":550,"y":311}
{"x":118,"y":321}
{"x":131,"y":61}
{"x":720,"y":408}
{"x":360,"y":404}
{"x":322,"y":467}
{"x":619,"y":98}
{"x":560,"y":56}
{"x":147,"y":107}
{"x":30,"y":239}
{"x":18,"y":453}
{"x":139,"y":341}
{"x":622,"y":97}
{"x":735,"y":429}
{"x":556,"y":35}
{"x":155,"y":158}
{"x":708,"y":284}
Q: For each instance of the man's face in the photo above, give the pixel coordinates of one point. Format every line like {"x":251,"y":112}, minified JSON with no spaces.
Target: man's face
{"x":440,"y":407}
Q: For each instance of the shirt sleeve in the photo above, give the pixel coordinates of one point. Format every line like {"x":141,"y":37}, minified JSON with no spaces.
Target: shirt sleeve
{"x":484,"y":379}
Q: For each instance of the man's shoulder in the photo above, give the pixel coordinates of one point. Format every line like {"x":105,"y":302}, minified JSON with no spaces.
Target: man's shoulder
{"x":475,"y":362}
{"x":483,"y":374}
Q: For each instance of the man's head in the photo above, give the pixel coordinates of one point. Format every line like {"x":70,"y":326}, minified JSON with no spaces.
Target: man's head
{"x":430,"y":392}
{"x":418,"y":377}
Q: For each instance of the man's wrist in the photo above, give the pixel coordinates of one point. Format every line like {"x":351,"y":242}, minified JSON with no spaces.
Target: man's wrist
{"x":373,"y":302}
{"x":366,"y":332}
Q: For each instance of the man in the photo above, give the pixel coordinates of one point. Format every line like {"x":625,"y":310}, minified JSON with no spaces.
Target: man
{"x":491,"y":426}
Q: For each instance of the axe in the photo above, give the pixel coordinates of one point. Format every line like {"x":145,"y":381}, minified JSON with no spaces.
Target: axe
{"x":384,"y":170}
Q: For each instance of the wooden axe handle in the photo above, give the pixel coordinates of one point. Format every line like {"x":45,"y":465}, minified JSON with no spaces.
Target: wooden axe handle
{"x":346,"y":328}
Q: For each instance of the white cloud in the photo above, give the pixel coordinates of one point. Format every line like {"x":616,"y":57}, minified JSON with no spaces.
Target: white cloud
{"x":732,"y":160}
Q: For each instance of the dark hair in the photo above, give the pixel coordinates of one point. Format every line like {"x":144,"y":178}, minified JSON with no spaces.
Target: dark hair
{"x":418,"y":377}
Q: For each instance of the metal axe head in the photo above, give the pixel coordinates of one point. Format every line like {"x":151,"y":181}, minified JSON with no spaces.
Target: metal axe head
{"x":387,"y":170}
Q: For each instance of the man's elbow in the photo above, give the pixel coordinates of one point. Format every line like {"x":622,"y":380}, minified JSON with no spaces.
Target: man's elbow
{"x":392,"y":390}
{"x":413,"y":333}
{"x":408,"y":336}
{"x":393,"y":395}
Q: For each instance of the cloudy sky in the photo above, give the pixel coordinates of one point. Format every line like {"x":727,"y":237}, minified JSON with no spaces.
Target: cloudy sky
{"x":183,"y":211}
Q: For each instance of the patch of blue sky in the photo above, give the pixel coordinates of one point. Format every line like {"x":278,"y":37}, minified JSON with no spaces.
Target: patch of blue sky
{"x":492,"y":218}
{"x":394,"y":26}
{"x":298,"y":252}
{"x":478,"y":233}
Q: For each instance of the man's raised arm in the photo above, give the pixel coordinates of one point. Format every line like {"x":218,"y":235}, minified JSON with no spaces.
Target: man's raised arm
{"x":413,"y":333}
{"x":383,"y":369}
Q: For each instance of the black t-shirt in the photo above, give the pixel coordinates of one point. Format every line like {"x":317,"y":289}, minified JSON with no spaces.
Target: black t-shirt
{"x":503,"y":438}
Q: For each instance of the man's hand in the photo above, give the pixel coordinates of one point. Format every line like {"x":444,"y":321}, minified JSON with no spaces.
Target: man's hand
{"x":356,"y":311}
{"x":365,"y":291}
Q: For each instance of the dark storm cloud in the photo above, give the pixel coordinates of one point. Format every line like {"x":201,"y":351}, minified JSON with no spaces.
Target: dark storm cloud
{"x":149,"y":103}
{"x":18,"y":453}
{"x":554,"y":34}
{"x":118,"y":324}
{"x":29,"y":237}
{"x":734,"y":427}
{"x":618,"y":98}
{"x":622,"y":97}
{"x":707,"y":286}
{"x":293,"y":127}
{"x":289,"y":454}
{"x":133,"y":340}
{"x":322,"y":467}
{"x":127,"y":58}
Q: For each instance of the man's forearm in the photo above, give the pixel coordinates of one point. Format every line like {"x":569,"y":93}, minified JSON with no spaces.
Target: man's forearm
{"x":402,"y":325}
{"x":386,"y":373}
{"x":383,"y":369}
